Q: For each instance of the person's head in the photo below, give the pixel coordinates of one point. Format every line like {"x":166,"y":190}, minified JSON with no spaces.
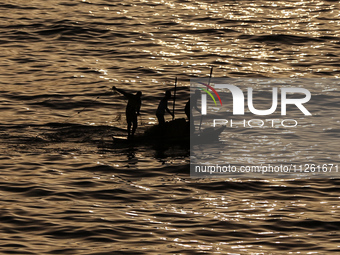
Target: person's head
{"x":168,"y":94}
{"x":139,"y":93}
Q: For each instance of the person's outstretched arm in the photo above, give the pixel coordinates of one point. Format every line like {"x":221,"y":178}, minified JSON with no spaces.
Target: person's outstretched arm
{"x":123,"y":92}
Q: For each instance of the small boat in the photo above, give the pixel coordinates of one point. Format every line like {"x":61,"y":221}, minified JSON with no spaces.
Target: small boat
{"x":174,"y":132}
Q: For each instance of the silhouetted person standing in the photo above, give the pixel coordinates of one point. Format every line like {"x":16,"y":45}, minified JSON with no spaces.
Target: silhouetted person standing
{"x":162,"y":107}
{"x":132,"y":110}
{"x":192,"y":103}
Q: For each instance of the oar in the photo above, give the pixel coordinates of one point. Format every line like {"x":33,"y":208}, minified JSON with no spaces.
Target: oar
{"x":211,"y":70}
{"x":173,"y":107}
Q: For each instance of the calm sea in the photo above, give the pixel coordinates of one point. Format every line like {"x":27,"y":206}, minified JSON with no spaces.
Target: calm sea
{"x":67,"y":189}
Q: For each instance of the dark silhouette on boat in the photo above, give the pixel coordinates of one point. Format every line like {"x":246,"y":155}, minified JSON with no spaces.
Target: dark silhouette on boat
{"x":175,"y":132}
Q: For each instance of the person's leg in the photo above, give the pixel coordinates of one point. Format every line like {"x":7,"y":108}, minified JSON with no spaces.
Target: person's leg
{"x":161,"y":124}
{"x":161,"y":119}
{"x":129,"y":122}
{"x":129,"y":129}
{"x":135,"y":124}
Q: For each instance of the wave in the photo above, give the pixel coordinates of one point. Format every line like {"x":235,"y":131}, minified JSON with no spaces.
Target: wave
{"x":284,"y":39}
{"x":13,"y":6}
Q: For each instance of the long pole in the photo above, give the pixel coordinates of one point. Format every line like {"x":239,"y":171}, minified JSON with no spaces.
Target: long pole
{"x":173,"y":107}
{"x":211,"y":70}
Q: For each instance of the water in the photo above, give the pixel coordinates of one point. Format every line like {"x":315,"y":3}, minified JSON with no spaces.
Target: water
{"x":66,"y":190}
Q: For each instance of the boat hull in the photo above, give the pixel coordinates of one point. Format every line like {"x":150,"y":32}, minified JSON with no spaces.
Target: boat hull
{"x":174,"y":132}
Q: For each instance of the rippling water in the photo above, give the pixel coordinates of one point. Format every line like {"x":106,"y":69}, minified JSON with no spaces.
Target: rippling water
{"x":66,"y":190}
